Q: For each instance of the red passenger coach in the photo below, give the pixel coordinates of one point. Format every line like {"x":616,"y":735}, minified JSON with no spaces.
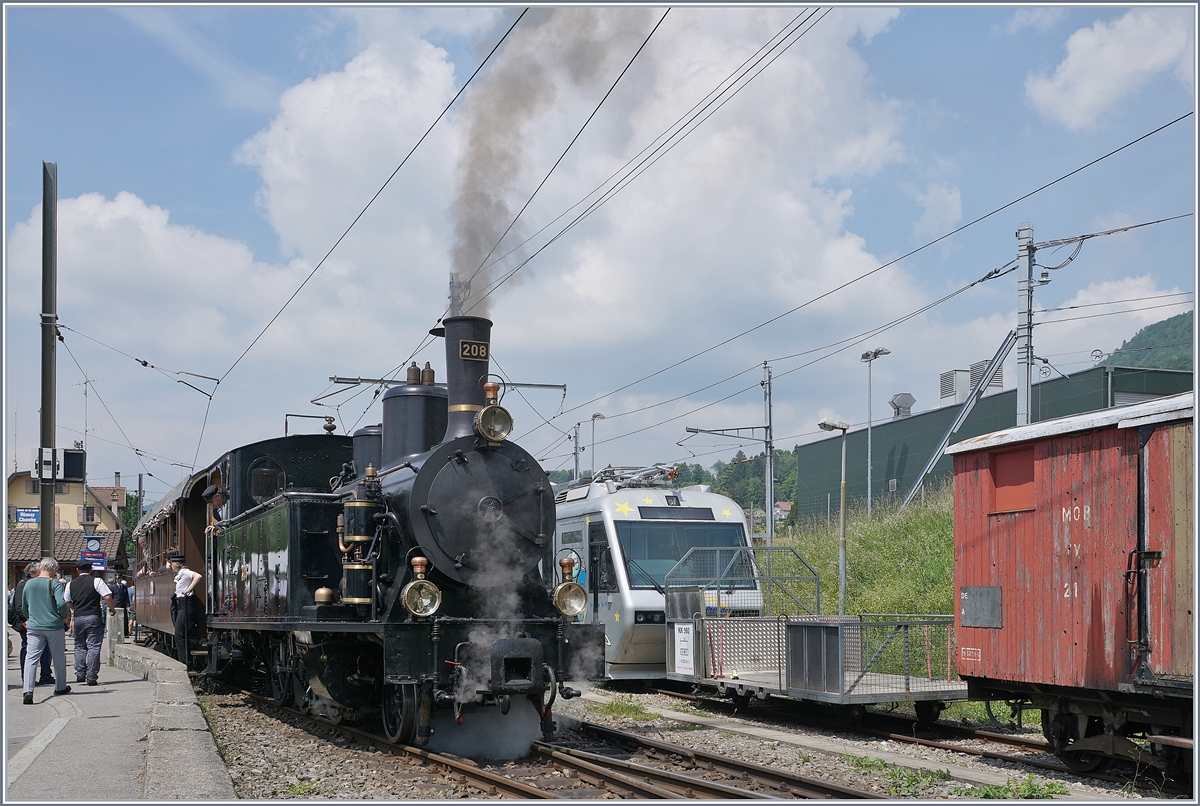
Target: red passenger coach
{"x":1074,"y":564}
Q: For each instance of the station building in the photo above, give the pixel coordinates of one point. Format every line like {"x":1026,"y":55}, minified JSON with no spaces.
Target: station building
{"x":78,"y":510}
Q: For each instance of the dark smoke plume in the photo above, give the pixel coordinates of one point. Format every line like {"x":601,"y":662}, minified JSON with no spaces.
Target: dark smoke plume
{"x":551,"y":47}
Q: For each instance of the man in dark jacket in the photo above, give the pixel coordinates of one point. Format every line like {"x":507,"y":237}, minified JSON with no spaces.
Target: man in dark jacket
{"x":47,"y":677}
{"x":120,"y":597}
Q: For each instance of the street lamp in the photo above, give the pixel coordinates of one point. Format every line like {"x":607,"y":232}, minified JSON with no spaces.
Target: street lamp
{"x":595,"y":417}
{"x":837,"y":425}
{"x":867,"y":358}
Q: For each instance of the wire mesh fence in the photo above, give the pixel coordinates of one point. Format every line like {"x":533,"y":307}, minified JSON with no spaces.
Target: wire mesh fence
{"x":743,"y":582}
{"x":752,"y":615}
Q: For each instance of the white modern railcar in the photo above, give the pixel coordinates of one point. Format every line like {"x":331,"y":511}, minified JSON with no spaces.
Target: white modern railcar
{"x":625,"y":530}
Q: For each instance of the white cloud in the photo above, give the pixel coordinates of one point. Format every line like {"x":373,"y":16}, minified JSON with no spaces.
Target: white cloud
{"x":941,"y":206}
{"x":1110,"y":61}
{"x":1039,"y":19}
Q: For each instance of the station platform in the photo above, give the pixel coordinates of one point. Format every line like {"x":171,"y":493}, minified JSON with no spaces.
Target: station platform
{"x":138,"y":735}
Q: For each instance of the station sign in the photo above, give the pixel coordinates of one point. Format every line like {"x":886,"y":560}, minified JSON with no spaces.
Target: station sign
{"x":29,"y":515}
{"x":98,"y":559}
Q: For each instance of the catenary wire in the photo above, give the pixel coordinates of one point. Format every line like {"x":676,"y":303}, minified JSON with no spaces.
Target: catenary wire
{"x":734,"y":77}
{"x":887,"y":264}
{"x":355,"y":221}
{"x":1114,"y":313}
{"x":362,"y":212}
{"x":639,"y":170}
{"x":1114,"y":302}
{"x":105,"y":405}
{"x":562,"y":156}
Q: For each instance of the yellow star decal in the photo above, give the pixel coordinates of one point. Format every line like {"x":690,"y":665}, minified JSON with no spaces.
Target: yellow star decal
{"x":648,"y":500}
{"x":616,"y":616}
{"x":624,"y":509}
{"x":727,"y":513}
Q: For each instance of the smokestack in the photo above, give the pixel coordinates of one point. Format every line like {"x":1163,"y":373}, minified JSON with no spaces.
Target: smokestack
{"x":468,"y":350}
{"x":116,"y":479}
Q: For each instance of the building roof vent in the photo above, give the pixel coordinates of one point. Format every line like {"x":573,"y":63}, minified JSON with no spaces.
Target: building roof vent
{"x":902,"y":404}
{"x":997,"y":381}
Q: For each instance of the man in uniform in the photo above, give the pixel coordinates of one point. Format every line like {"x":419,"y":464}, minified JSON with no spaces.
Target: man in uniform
{"x":185,"y":607}
{"x":84,"y":595}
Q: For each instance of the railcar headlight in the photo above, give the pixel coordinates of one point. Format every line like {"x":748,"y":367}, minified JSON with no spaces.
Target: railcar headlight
{"x":493,"y":423}
{"x":570,"y":598}
{"x":421,"y":597}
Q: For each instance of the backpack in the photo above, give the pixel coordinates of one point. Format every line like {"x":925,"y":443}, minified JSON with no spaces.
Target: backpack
{"x":16,"y":619}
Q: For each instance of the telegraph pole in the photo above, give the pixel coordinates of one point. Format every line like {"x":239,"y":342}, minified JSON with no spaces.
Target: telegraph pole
{"x":49,"y":331}
{"x":576,"y":479}
{"x":1025,"y":253}
{"x":770,"y":452}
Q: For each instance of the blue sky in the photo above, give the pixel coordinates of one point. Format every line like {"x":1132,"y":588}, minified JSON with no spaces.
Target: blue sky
{"x":209,"y":157}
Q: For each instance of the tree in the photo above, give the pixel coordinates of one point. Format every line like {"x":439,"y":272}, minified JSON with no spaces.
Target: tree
{"x":129,"y":520}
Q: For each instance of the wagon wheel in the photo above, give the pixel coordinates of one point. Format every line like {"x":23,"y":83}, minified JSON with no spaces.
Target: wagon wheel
{"x":399,"y":712}
{"x":851,"y":716}
{"x":280,"y":673}
{"x":1081,"y":761}
{"x":928,"y":711}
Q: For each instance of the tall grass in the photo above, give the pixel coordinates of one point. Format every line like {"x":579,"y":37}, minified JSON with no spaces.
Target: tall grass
{"x":895,"y":563}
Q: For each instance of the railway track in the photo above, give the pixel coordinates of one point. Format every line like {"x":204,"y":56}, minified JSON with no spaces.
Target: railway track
{"x":1149,"y":779}
{"x":624,"y":765}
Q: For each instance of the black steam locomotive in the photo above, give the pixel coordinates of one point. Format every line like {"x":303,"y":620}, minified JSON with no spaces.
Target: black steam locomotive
{"x":405,"y":569}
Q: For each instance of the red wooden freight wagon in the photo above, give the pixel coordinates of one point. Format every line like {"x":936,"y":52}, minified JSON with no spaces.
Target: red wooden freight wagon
{"x":1074,"y":562}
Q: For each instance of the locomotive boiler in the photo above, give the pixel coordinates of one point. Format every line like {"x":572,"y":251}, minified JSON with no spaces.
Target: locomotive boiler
{"x":406,"y":569}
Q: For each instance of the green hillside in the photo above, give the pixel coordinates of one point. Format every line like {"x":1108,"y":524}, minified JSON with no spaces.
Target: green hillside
{"x":1162,"y":345}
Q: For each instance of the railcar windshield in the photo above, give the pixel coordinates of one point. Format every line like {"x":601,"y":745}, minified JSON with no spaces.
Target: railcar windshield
{"x":652,"y":548}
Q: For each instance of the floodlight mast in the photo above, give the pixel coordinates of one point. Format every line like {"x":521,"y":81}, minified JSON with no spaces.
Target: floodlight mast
{"x":828,"y":424}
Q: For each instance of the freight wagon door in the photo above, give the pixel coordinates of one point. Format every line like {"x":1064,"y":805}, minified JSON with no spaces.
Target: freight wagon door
{"x":1167,"y":477}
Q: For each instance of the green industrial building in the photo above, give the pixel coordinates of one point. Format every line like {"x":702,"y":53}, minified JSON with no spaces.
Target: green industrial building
{"x":901,"y":446}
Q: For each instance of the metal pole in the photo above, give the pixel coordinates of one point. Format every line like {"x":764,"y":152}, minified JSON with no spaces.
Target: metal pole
{"x":842,"y":537}
{"x":593,"y":447}
{"x":576,"y":453}
{"x":49,"y":331}
{"x":869,"y":363}
{"x":770,"y":449}
{"x":1025,"y":252}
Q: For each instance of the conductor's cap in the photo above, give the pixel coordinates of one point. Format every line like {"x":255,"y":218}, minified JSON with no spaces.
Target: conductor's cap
{"x":210,"y":491}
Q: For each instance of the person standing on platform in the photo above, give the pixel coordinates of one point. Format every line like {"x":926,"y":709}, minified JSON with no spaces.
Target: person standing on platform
{"x":185,"y":608}
{"x":47,"y":678}
{"x":46,"y":617}
{"x":120,"y":596}
{"x":83,"y":596}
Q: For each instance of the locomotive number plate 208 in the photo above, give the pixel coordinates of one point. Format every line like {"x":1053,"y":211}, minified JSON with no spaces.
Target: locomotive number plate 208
{"x":473,"y":350}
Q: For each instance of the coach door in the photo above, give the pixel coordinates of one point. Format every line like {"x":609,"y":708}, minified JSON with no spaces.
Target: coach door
{"x":602,"y":581}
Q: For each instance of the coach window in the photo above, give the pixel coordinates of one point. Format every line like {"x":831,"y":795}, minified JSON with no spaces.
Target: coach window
{"x":1012,"y":475}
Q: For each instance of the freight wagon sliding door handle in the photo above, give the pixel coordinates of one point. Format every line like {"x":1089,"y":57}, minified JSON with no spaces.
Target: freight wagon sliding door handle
{"x":1143,"y":557}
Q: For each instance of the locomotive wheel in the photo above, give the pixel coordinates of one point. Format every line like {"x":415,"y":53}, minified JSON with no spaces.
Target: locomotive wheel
{"x":279,"y":673}
{"x":302,"y":692}
{"x":399,"y":712}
